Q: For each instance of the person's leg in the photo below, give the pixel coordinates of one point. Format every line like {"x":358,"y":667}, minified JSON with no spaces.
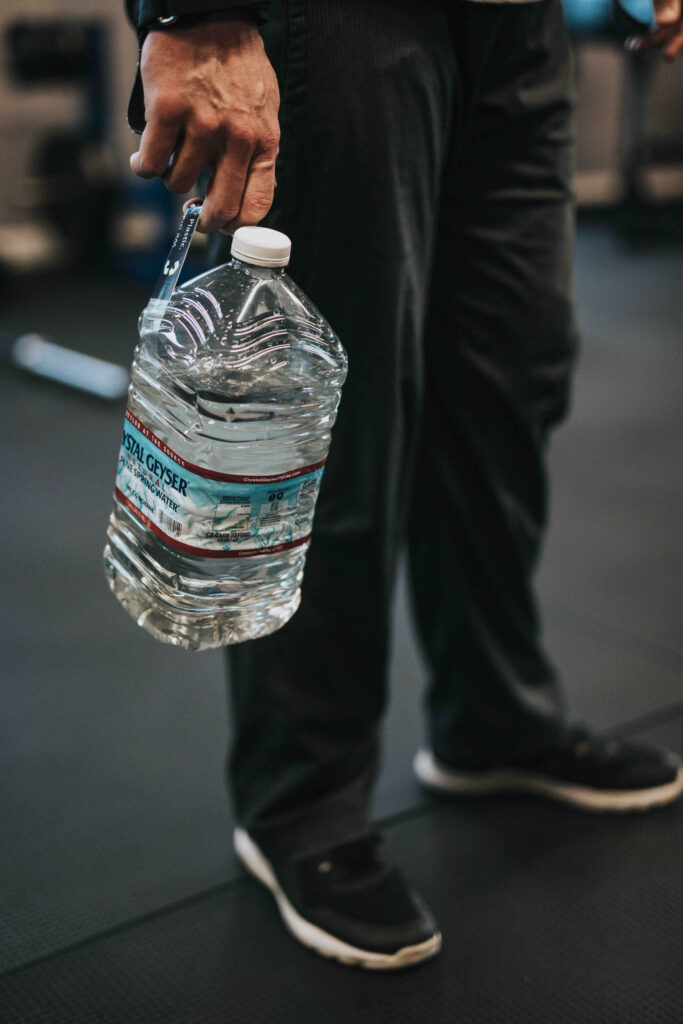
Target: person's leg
{"x":499,"y":349}
{"x":367,"y":99}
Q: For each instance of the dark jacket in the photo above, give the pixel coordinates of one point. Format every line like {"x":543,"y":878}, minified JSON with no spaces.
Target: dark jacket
{"x":146,"y":13}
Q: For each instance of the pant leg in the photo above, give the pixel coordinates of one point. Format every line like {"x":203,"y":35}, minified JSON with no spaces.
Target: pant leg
{"x":367,"y":100}
{"x":499,"y":349}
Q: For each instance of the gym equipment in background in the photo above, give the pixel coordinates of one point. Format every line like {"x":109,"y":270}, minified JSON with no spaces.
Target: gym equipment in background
{"x":74,"y":168}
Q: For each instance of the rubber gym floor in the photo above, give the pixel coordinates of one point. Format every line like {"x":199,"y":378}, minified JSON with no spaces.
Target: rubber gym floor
{"x":122,"y":900}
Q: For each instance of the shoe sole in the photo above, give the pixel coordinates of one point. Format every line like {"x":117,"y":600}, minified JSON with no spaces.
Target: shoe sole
{"x":316,"y":938}
{"x":449,"y":781}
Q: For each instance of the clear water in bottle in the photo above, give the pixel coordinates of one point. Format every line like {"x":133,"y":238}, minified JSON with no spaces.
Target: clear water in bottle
{"x":234,"y":390}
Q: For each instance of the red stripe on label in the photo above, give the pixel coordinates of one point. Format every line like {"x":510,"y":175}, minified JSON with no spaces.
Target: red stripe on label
{"x":211,"y":474}
{"x":188,"y":549}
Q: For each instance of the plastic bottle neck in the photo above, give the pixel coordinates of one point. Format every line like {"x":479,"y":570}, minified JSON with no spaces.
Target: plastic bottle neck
{"x":258,"y":271}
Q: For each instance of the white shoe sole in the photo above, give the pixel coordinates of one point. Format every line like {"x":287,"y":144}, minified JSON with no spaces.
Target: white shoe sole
{"x":316,"y":938}
{"x":442,"y":779}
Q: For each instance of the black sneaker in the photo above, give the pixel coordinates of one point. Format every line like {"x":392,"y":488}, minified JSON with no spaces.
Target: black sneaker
{"x":347,"y":903}
{"x":595,"y":773}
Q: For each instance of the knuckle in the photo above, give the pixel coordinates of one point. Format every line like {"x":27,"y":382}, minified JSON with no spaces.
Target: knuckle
{"x":204,"y":126}
{"x":270,"y":140}
{"x":242,"y":133}
{"x":165,"y":108}
{"x":259,"y":204}
{"x":225,"y":211}
{"x":247,"y":217}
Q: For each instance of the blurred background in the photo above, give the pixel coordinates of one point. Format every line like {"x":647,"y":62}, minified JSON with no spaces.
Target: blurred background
{"x":113,"y":807}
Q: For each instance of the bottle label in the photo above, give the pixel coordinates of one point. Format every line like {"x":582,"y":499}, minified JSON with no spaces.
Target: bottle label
{"x":202,"y":512}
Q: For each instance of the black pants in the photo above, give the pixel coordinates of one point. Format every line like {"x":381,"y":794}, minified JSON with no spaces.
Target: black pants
{"x":424,"y":178}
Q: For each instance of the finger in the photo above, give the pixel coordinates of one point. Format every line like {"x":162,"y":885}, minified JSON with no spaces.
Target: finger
{"x":675,"y":47}
{"x":656,"y":40}
{"x":667,"y":12}
{"x":189,"y":159}
{"x":157,"y":143}
{"x":257,"y":198}
{"x":224,"y":191}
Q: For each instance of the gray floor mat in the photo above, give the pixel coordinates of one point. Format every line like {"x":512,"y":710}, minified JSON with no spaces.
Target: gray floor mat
{"x":112,"y":746}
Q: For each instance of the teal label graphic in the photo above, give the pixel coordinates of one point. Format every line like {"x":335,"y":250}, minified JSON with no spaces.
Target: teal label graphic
{"x":202,"y":512}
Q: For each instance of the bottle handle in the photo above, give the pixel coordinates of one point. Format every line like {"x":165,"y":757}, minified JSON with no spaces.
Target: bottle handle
{"x":170,"y":272}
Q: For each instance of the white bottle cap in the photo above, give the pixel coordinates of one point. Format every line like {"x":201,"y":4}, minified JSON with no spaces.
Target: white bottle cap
{"x":262,"y":246}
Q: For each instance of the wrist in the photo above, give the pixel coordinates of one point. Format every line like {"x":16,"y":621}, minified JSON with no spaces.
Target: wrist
{"x":215,"y":36}
{"x":168,"y":14}
{"x":186,"y":21}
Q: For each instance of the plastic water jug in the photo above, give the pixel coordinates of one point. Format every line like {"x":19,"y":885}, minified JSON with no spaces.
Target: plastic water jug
{"x":234,"y":390}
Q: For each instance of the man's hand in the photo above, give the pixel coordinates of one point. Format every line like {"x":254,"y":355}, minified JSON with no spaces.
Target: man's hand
{"x":211,"y":101}
{"x":667,"y":35}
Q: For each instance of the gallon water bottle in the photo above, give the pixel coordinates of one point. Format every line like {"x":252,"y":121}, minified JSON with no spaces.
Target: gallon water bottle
{"x":234,"y":390}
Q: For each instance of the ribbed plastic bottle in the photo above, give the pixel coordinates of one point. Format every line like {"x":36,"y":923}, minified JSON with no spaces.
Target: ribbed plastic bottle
{"x":234,"y":390}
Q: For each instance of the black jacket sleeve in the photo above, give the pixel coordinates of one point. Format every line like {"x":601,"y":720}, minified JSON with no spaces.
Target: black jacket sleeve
{"x":158,"y":14}
{"x":145,"y":13}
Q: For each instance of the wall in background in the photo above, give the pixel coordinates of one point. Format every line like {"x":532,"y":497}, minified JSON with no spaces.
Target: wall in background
{"x":613,"y":107}
{"x":28,"y":113}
